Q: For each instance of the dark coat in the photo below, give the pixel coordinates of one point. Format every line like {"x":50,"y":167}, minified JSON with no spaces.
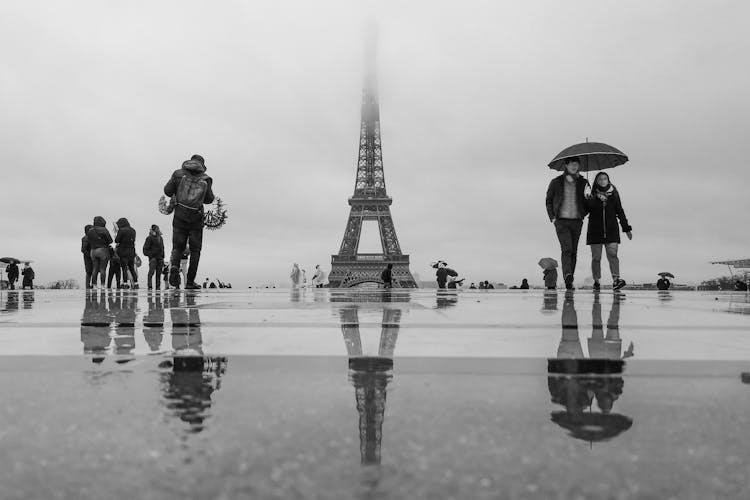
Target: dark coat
{"x":12,"y":270}
{"x":556,"y":191}
{"x":98,"y":235}
{"x":386,"y":275}
{"x":125,"y":239}
{"x":185,"y":218}
{"x":603,"y":219}
{"x":153,"y":247}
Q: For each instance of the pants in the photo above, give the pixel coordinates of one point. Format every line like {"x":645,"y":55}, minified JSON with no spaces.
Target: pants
{"x":88,"y":264}
{"x":127,"y":263}
{"x":182,"y":238}
{"x":154,"y":269}
{"x":12,"y":282}
{"x":99,"y":259}
{"x":568,"y":233}
{"x":115,"y":271}
{"x":596,"y":260}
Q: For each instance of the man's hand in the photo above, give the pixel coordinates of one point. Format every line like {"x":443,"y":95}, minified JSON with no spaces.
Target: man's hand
{"x":630,"y":235}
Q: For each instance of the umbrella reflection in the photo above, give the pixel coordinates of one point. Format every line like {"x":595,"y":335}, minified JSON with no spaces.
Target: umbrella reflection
{"x":576,"y":382}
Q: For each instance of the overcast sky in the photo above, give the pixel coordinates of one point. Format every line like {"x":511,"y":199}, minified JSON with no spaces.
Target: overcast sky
{"x":101,"y":101}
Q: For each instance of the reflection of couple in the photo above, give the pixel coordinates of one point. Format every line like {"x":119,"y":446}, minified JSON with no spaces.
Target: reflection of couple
{"x":575,"y":386}
{"x":600,"y":346}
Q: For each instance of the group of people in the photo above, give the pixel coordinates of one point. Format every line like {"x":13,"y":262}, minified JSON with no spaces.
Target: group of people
{"x":569,"y":200}
{"x":12,"y":272}
{"x":299,"y":277}
{"x":106,"y":258}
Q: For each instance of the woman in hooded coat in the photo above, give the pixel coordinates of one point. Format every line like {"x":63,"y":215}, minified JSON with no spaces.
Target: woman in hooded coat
{"x":125,"y":240}
{"x":605,"y":209}
{"x":99,"y":240}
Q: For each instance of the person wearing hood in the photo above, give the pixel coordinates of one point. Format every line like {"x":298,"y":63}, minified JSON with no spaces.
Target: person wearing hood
{"x":125,"y":240}
{"x":88,"y":264}
{"x":605,"y":209}
{"x":12,"y":271}
{"x":28,"y":277}
{"x":99,"y":240}
{"x":153,"y":250}
{"x":566,"y":208}
{"x":192,"y":189}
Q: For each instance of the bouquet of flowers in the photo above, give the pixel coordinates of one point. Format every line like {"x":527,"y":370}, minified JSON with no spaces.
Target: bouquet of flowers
{"x":167,"y":207}
{"x":216,"y":216}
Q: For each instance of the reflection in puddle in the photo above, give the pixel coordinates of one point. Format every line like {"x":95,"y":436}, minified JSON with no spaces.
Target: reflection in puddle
{"x":575,"y":382}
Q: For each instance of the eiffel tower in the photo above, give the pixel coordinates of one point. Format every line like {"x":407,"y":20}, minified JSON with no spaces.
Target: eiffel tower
{"x":370,"y":202}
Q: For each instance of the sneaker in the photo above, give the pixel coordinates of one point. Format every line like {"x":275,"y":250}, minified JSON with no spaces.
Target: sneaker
{"x":597,"y":286}
{"x":618,"y":284}
{"x":192,"y":286}
{"x":174,"y":277}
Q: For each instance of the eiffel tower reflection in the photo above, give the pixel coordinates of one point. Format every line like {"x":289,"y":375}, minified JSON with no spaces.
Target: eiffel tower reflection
{"x":369,"y":373}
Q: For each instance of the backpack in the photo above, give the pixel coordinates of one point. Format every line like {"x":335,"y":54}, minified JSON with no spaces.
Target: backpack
{"x":191,"y":191}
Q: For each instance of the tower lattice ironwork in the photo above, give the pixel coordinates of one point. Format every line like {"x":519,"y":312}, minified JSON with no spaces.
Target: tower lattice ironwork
{"x":370,"y":202}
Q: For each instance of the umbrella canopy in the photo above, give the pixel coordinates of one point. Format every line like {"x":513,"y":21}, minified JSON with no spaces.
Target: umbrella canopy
{"x":9,"y":260}
{"x":436,"y":264}
{"x":547,"y":263}
{"x":665,"y":274}
{"x":592,"y":426}
{"x":593,"y":155}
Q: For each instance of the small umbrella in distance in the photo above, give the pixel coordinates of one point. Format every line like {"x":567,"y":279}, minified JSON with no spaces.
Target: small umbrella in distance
{"x":547,"y":263}
{"x":436,"y":264}
{"x":593,"y":156}
{"x":665,"y":274}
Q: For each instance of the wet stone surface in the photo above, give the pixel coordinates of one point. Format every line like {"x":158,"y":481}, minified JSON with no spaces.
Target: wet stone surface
{"x":327,"y":394}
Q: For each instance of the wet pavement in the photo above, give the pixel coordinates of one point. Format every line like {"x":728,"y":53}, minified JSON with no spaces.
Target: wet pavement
{"x":374,"y":394}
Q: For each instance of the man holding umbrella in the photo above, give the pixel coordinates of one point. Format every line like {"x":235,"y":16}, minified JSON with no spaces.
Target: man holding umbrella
{"x":12,"y":272}
{"x":566,"y":209}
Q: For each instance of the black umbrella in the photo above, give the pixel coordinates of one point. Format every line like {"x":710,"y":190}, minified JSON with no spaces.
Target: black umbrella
{"x":666,"y":274}
{"x":593,"y":156}
{"x":592,"y":426}
{"x":10,"y":260}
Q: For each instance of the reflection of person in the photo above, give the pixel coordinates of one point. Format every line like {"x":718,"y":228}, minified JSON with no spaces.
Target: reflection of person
{"x":123,"y":312}
{"x":11,"y":301}
{"x":570,"y":343}
{"x":605,"y":209}
{"x":295,"y":275}
{"x":609,"y":347}
{"x":550,"y":301}
{"x":95,"y":326}
{"x":186,"y":324}
{"x":446,"y":299}
{"x":153,"y":322}
{"x":566,"y":209}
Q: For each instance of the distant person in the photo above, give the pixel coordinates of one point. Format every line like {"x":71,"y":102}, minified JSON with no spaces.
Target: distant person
{"x":524,"y":284}
{"x":88,"y":264}
{"x":319,"y":277}
{"x":442,"y":274}
{"x":740,"y":286}
{"x":488,"y":285}
{"x":28,"y":277}
{"x":192,"y":189}
{"x":295,"y":275}
{"x":566,"y":209}
{"x":212,"y":285}
{"x":205,"y":284}
{"x":229,"y":285}
{"x":153,"y":250}
{"x":99,"y":240}
{"x":481,"y":285}
{"x":115,"y":269}
{"x":12,"y":271}
{"x":184,"y":265}
{"x":605,"y":209}
{"x":472,"y":287}
{"x":125,"y":240}
{"x":550,"y":278}
{"x":387,"y":276}
{"x":663,"y":283}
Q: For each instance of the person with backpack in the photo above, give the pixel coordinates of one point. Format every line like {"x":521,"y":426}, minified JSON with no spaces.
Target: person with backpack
{"x":99,"y":240}
{"x":125,"y":240}
{"x":192,"y":188}
{"x":387,"y":276}
{"x":153,"y":250}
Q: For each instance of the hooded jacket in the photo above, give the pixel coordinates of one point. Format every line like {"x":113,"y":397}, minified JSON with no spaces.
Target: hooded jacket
{"x":185,"y":218}
{"x":125,"y":239}
{"x":98,"y":236}
{"x":85,"y":247}
{"x":603,"y":217}
{"x":556,"y":192}
{"x":153,"y":247}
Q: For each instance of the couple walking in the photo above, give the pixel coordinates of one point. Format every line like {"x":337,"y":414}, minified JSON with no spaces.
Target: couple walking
{"x":569,"y":199}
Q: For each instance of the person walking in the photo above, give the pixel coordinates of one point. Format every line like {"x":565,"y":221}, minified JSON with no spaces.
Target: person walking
{"x":153,"y":250}
{"x":88,"y":264}
{"x":125,"y":240}
{"x":387,"y":276}
{"x":99,"y":240}
{"x":566,"y":209}
{"x":11,"y":270}
{"x":115,"y":269}
{"x":28,"y":277}
{"x":192,"y":189}
{"x":605,"y":209}
{"x":319,"y":277}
